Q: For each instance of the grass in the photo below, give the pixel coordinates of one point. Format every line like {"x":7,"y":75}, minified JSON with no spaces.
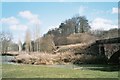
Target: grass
{"x":36,"y":71}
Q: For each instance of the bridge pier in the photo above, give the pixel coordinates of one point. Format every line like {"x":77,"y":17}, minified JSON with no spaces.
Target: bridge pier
{"x":101,"y":50}
{"x":109,"y":49}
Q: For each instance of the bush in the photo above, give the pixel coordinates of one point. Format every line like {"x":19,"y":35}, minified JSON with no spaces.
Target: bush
{"x":90,"y":59}
{"x":45,"y":58}
{"x":47,"y":44}
{"x":80,"y":38}
{"x":60,"y":40}
{"x":74,"y":39}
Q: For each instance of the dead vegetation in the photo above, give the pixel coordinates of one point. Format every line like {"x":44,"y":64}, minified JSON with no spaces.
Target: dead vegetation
{"x":45,"y":58}
{"x":59,"y":58}
{"x":47,"y":44}
{"x":81,"y":38}
{"x":76,"y":53}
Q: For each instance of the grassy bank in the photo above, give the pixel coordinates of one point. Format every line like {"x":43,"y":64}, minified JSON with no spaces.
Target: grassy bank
{"x":36,"y":71}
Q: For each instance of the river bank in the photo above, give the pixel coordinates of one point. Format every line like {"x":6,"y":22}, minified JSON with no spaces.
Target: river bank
{"x":10,"y":54}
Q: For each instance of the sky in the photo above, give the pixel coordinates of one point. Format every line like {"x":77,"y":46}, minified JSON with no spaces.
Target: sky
{"x":60,"y":0}
{"x":17,"y":17}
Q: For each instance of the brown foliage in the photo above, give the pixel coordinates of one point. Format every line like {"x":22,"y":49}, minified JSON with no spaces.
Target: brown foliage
{"x":47,"y":44}
{"x":75,"y":39}
{"x":80,"y":38}
{"x":45,"y":58}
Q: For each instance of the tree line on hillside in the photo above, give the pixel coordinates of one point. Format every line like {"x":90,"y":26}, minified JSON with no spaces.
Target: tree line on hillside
{"x":77,"y":24}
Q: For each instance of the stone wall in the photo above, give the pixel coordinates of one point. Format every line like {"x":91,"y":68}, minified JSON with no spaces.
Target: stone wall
{"x":110,"y":49}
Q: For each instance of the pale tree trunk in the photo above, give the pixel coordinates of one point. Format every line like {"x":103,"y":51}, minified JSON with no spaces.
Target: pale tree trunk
{"x":28,"y":42}
{"x":37,"y":38}
{"x":20,"y":46}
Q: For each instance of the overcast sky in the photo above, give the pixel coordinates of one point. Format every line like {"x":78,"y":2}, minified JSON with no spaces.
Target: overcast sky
{"x":17,"y":17}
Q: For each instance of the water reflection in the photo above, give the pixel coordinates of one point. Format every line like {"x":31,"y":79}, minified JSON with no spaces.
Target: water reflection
{"x":7,"y":59}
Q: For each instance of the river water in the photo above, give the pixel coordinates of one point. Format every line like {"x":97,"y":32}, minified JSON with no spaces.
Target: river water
{"x":6,"y":59}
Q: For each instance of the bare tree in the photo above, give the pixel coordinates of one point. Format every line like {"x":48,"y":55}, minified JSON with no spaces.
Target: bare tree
{"x":5,"y":38}
{"x":20,"y":45}
{"x":37,"y":38}
{"x":47,"y":44}
{"x":28,"y":46}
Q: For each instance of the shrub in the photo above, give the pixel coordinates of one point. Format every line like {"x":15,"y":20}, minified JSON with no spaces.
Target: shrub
{"x":45,"y":58}
{"x":80,"y":38}
{"x":47,"y":44}
{"x":74,"y":39}
{"x":90,"y":59}
{"x":60,"y":40}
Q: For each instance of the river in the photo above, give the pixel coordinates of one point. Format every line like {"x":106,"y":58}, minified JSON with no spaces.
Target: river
{"x":6,"y":59}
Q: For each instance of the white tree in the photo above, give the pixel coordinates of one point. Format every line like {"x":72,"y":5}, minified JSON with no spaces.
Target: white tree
{"x":37,"y":38}
{"x":5,"y":39}
{"x":28,"y":46}
{"x":20,"y":45}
